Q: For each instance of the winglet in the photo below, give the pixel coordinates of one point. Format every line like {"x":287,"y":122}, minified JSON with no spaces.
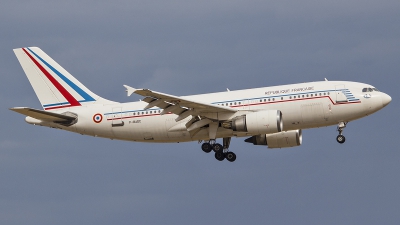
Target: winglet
{"x":129,"y":90}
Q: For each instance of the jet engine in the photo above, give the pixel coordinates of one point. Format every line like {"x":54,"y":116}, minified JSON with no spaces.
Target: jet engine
{"x":260,"y":122}
{"x":283,"y":139}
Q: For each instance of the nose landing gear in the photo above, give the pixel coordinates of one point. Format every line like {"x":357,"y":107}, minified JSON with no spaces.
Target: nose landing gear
{"x":340,"y":138}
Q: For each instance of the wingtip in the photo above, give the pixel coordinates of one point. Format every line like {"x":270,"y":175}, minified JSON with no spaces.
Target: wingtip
{"x":129,"y":90}
{"x":16,"y":108}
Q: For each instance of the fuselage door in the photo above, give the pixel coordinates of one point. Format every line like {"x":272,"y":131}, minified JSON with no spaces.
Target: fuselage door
{"x":117,"y":117}
{"x":340,"y":93}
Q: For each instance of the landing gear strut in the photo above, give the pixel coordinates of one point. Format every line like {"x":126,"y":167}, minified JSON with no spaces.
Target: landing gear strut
{"x":340,"y":138}
{"x":221,"y":151}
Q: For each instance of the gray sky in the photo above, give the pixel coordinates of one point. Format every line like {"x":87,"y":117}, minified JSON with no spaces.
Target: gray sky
{"x":183,"y":47}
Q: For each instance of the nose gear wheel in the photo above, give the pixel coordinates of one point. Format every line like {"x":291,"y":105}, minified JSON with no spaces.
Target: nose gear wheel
{"x":340,"y":138}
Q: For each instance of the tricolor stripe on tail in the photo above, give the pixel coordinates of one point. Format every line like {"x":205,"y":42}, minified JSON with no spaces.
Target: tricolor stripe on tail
{"x":54,"y":86}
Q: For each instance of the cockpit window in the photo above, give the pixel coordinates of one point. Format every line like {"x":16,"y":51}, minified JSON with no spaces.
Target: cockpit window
{"x":369,"y":89}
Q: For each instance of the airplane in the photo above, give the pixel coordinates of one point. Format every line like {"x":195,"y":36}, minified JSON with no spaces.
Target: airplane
{"x":268,"y":116}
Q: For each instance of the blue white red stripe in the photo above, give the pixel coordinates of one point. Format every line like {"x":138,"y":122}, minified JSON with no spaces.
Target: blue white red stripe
{"x":71,"y":100}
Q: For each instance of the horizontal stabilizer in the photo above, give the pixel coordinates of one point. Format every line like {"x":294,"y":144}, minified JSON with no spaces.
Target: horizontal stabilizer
{"x":45,"y":115}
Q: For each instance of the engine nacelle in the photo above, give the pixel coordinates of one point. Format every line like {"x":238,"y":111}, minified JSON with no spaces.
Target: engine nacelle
{"x":260,"y":122}
{"x":283,"y":139}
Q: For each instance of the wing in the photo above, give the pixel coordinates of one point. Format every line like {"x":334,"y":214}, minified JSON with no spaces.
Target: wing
{"x":183,"y":107}
{"x":45,"y":116}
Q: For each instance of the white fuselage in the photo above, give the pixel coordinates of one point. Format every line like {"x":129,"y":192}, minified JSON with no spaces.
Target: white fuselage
{"x":304,"y":105}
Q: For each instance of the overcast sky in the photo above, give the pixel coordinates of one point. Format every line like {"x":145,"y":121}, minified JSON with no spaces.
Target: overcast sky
{"x":180,"y":47}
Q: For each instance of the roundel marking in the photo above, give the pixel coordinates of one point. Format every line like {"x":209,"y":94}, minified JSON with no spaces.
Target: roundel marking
{"x":97,"y":118}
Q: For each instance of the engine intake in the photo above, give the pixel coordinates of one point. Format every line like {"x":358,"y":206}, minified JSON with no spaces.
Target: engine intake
{"x":261,"y":122}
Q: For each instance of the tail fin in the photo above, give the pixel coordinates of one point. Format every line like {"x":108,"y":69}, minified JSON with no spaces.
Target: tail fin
{"x":53,"y":85}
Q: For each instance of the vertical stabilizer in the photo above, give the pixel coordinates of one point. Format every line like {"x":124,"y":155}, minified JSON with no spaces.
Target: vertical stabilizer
{"x":53,"y":85}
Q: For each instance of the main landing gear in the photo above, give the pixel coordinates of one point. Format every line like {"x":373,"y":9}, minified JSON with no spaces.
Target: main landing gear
{"x":221,"y":151}
{"x":340,"y":138}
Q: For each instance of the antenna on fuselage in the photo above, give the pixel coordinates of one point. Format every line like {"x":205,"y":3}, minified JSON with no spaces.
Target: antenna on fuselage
{"x":326,"y":79}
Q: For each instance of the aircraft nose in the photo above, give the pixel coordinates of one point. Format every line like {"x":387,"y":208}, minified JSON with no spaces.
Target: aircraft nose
{"x":386,"y":99}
